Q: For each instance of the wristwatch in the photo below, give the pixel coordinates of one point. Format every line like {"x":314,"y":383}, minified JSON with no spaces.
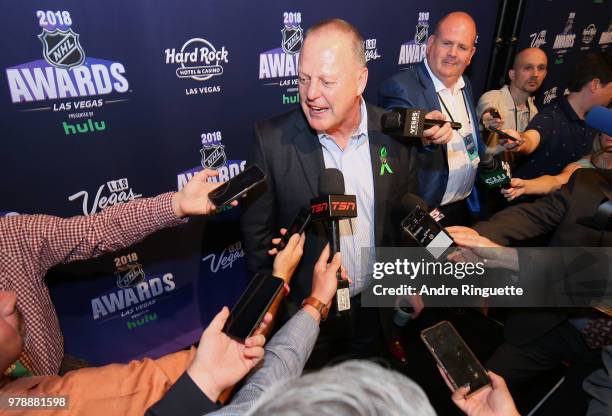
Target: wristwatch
{"x":318,"y":305}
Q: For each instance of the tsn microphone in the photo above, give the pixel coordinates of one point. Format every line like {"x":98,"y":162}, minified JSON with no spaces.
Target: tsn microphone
{"x":410,"y":122}
{"x":332,"y":205}
{"x":422,"y":226}
{"x":493,"y":173}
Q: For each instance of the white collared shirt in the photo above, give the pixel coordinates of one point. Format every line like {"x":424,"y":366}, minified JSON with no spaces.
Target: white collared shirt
{"x":354,"y":161}
{"x":461,"y":171}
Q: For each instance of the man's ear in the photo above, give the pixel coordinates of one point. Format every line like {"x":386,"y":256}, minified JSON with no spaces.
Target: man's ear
{"x":594,"y":85}
{"x":362,"y":80}
{"x":511,"y":74}
{"x":430,"y":40}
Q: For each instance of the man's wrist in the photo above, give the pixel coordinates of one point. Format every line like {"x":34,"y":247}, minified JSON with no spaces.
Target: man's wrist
{"x":312,"y":311}
{"x":280,"y":274}
{"x":176,"y":205}
{"x":324,"y":299}
{"x":205,"y":383}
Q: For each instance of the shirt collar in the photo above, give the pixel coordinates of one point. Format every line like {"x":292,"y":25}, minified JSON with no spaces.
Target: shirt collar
{"x":362,"y":128}
{"x":439,"y":85}
{"x":508,"y":101}
{"x":567,"y":109}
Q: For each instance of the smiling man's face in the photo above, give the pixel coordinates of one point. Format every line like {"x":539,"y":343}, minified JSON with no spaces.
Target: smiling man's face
{"x":330,"y":82}
{"x":450,"y":49}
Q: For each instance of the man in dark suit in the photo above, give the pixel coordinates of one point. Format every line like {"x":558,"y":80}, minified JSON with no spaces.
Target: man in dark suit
{"x":447,"y":171}
{"x":538,"y":340}
{"x":334,"y":128}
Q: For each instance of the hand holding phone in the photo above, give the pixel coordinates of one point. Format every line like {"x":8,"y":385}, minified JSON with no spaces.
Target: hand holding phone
{"x":298,"y":226}
{"x":504,"y":135}
{"x":252,"y":306}
{"x":491,"y":117}
{"x":454,"y":357}
{"x":238,"y":185}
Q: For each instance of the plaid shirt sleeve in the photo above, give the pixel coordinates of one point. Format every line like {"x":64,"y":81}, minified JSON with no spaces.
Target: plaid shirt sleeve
{"x":31,"y":244}
{"x":46,"y":240}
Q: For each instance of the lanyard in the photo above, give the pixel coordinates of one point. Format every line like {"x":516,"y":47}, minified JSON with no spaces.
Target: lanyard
{"x":448,"y":111}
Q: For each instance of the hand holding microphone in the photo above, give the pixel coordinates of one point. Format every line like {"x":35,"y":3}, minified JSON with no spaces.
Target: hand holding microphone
{"x":332,"y":205}
{"x":432,"y":128}
{"x":439,"y":134}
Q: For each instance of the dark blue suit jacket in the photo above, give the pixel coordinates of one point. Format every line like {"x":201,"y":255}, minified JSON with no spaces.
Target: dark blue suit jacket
{"x":290,"y":154}
{"x":414,"y":88}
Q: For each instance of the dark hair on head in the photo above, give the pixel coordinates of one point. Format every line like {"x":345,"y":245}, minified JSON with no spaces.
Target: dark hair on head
{"x":590,"y":66}
{"x":346,"y":28}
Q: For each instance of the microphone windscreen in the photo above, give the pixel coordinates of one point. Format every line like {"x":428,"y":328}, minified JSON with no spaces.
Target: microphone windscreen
{"x":409,"y":201}
{"x":487,"y":162}
{"x":391,"y":120}
{"x":331,"y":182}
{"x":600,"y":118}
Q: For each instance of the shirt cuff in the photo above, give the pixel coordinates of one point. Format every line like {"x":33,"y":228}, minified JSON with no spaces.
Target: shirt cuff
{"x":165,"y":216}
{"x":184,"y":397}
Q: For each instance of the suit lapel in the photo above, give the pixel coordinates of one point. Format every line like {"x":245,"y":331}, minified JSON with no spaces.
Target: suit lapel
{"x":309,"y":153}
{"x":382,"y":183}
{"x":429,"y":91}
{"x":428,"y":86}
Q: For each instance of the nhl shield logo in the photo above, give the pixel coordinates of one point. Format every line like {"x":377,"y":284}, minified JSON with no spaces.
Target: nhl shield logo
{"x":420,"y":35}
{"x":213,"y":157}
{"x":292,"y":39}
{"x":129,"y":275}
{"x":61,"y":48}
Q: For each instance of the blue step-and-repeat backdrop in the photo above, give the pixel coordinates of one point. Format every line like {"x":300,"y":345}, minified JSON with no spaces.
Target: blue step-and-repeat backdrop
{"x":104,"y":102}
{"x":565,"y":30}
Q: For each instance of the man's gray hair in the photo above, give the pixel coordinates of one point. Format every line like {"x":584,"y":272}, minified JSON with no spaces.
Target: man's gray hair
{"x":354,"y":388}
{"x":342,"y":26}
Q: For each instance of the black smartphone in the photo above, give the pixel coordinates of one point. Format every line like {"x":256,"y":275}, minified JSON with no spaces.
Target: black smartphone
{"x":236,"y":186}
{"x":502,"y":134}
{"x":427,"y":232}
{"x":454,"y":357}
{"x":252,"y":306}
{"x":298,"y":225}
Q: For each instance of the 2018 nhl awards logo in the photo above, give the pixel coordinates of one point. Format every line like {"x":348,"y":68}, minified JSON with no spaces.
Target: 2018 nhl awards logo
{"x":61,"y":48}
{"x":420,"y":34}
{"x":282,"y":62}
{"x":64,"y":80}
{"x":213,"y":156}
{"x":413,"y":51}
{"x":129,"y":275}
{"x":293,"y":37}
{"x":213,"y":151}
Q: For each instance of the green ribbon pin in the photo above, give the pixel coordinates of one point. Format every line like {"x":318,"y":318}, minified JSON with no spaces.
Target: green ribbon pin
{"x":383,"y":162}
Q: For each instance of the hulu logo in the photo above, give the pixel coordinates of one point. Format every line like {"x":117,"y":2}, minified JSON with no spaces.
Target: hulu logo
{"x":150,"y":317}
{"x":88,"y":127}
{"x":291,"y":99}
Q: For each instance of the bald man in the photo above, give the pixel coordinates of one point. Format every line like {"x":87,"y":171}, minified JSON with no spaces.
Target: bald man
{"x":514,"y":102}
{"x":447,"y":170}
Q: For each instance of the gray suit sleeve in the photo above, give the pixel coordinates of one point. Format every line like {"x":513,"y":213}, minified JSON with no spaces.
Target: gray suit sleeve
{"x":285,"y":357}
